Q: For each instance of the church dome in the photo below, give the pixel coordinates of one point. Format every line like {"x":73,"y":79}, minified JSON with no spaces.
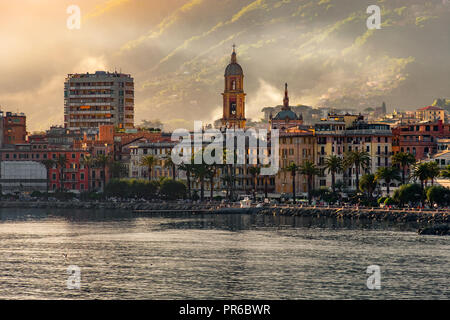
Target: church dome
{"x":233,"y":69}
{"x":286,"y":114}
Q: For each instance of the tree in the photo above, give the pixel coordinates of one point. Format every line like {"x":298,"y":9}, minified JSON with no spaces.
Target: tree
{"x":254,"y":172}
{"x":445,"y":173}
{"x":61,"y":162}
{"x":334,"y":165}
{"x":48,"y":164}
{"x":172,"y":189}
{"x":408,"y":193}
{"x":422,"y":173}
{"x":388,"y":174}
{"x":169,"y":164}
{"x":103,"y":161}
{"x":359,"y":159}
{"x":118,"y":170}
{"x":149,"y":162}
{"x":88,"y":162}
{"x":439,"y":195}
{"x":293,"y":168}
{"x":368,"y":184}
{"x":309,"y":170}
{"x":403,"y":160}
{"x":433,"y":171}
{"x":187,"y":167}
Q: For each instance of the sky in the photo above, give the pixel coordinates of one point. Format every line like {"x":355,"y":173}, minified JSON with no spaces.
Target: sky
{"x":177,"y":51}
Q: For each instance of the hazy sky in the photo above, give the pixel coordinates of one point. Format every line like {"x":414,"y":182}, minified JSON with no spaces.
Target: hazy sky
{"x":177,"y":51}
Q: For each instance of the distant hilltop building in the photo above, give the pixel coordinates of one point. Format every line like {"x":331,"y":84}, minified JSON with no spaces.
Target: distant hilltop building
{"x":430,"y":113}
{"x":102,"y":98}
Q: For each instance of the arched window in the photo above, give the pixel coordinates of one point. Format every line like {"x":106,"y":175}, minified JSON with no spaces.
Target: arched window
{"x":233,"y":85}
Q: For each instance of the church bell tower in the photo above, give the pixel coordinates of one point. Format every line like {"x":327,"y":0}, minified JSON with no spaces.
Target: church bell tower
{"x":234,"y":96}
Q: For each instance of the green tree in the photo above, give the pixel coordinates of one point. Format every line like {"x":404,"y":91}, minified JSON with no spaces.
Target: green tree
{"x":103,"y":162}
{"x":48,"y":164}
{"x":61,"y":162}
{"x":408,"y":193}
{"x":254,"y":172}
{"x":172,"y":189}
{"x":334,"y":165}
{"x":445,"y":173}
{"x":439,"y":195}
{"x":118,"y":170}
{"x":368,"y":184}
{"x":293,"y":169}
{"x":358,"y":159}
{"x":309,"y":170}
{"x":403,"y":160}
{"x":187,"y":168}
{"x":169,"y":164}
{"x":149,"y":162}
{"x":88,"y":162}
{"x":388,"y":174}
{"x":433,"y":171}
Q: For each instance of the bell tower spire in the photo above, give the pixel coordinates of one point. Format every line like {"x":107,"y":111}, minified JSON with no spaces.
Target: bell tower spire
{"x":286,"y":98}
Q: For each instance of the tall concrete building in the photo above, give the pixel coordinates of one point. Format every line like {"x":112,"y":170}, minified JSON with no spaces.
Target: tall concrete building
{"x":102,"y":98}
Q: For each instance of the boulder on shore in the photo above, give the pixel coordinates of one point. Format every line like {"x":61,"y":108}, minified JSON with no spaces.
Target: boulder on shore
{"x":437,"y":230}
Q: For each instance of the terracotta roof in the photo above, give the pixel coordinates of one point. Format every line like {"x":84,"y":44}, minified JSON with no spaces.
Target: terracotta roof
{"x":430,"y":108}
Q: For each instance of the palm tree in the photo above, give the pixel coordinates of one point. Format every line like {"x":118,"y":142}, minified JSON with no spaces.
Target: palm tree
{"x":187,"y":167}
{"x":61,"y":162}
{"x":201,"y":172}
{"x":368,"y":184}
{"x":293,"y":168}
{"x":403,"y":160}
{"x":212,"y":170}
{"x":334,"y":165}
{"x":169,"y":164}
{"x":48,"y":164}
{"x":421,"y":172}
{"x":388,"y":174}
{"x":254,"y":172}
{"x":433,"y":171}
{"x":149,"y":162}
{"x":88,"y":162}
{"x":103,"y":161}
{"x":445,"y":173}
{"x":309,"y":170}
{"x":359,"y":159}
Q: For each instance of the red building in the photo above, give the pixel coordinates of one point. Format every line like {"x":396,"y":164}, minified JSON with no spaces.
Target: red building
{"x":14,"y":128}
{"x":419,"y":139}
{"x":75,"y":176}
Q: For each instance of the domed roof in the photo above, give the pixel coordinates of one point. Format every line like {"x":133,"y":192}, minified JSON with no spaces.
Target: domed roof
{"x":234,"y":69}
{"x":283,"y":114}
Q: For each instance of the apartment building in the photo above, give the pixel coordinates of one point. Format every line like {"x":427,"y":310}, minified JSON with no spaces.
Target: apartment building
{"x":102,"y":98}
{"x":420,"y":139}
{"x":297,"y":145}
{"x":13,"y":128}
{"x":340,"y":134}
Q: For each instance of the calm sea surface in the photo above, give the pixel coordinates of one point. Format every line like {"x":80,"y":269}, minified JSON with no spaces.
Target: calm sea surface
{"x":133,"y":256}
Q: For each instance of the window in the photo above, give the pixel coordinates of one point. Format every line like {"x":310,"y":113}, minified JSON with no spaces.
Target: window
{"x":81,"y":176}
{"x":54,"y":176}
